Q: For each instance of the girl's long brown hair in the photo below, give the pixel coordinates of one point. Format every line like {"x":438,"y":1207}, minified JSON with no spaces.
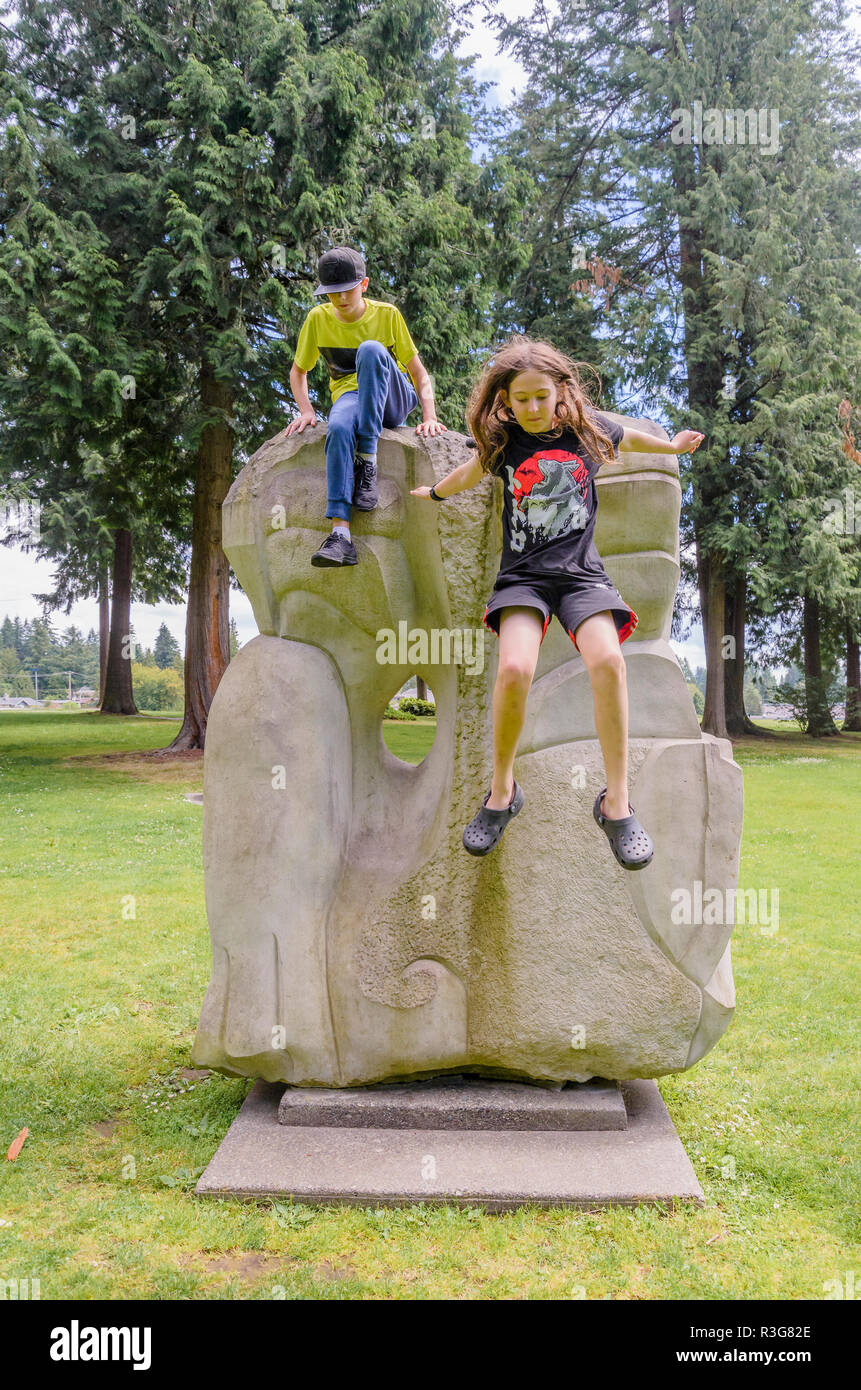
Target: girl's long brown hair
{"x":488,"y":418}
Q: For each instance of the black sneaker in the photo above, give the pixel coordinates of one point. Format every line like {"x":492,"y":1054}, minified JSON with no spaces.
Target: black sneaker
{"x":365,"y":493}
{"x":335,"y":550}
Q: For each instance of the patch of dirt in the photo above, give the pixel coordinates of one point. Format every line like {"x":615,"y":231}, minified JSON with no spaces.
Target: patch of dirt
{"x":146,"y":755}
{"x":247,"y":1264}
{"x":105,"y":1128}
{"x":161,"y":755}
{"x":326,"y":1270}
{"x":189,"y":1074}
{"x":155,"y":765}
{"x":252,"y":1264}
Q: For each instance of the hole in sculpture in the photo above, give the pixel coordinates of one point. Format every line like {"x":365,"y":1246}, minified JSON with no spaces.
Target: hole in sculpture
{"x":409,"y":723}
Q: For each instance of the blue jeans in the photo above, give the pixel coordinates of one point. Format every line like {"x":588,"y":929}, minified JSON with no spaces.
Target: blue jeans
{"x":384,"y":399}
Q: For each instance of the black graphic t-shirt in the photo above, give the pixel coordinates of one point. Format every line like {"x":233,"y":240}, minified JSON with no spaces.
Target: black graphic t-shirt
{"x":551,"y":504}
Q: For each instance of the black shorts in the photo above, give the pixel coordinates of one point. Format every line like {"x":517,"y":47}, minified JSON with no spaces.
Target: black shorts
{"x":572,"y":597}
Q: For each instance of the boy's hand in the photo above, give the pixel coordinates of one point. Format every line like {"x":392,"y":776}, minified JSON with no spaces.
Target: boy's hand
{"x":687,"y":441}
{"x":298,"y":423}
{"x":429,"y":427}
{"x":420,"y":492}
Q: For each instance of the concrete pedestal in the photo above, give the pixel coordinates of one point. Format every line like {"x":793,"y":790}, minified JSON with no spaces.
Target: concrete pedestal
{"x":464,"y":1141}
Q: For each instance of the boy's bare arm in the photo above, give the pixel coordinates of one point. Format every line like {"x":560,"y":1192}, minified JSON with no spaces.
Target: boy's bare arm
{"x":307,"y":414}
{"x":424,"y":390}
{"x":638,"y":442}
{"x":459,"y":480}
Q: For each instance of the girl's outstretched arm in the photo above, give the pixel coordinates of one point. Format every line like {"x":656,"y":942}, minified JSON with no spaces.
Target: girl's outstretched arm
{"x":638,"y":442}
{"x":458,"y":480}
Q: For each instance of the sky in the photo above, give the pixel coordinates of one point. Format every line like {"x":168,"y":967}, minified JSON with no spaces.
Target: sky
{"x":22,"y":575}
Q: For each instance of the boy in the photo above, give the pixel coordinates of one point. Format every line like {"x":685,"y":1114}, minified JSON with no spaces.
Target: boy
{"x":369,"y":352}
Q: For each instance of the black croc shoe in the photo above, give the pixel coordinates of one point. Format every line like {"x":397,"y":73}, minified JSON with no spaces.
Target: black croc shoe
{"x":628,"y":840}
{"x":365,"y":492}
{"x":335,"y":550}
{"x":485,"y":830}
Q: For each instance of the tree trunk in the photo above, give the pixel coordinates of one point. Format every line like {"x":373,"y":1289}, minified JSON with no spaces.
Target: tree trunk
{"x":118,"y":696}
{"x":207,"y":627}
{"x":421,"y":689}
{"x":737,"y":721}
{"x":819,"y":720}
{"x":710,"y":576}
{"x":852,"y":720}
{"x":704,"y":381}
{"x":104,"y":629}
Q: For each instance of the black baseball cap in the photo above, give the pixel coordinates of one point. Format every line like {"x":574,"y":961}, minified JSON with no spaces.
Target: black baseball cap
{"x":342,"y":268}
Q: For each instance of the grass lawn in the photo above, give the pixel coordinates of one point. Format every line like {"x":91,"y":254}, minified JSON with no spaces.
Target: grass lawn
{"x":105,"y":961}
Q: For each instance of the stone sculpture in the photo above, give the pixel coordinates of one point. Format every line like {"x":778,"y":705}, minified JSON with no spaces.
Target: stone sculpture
{"x":354,"y":940}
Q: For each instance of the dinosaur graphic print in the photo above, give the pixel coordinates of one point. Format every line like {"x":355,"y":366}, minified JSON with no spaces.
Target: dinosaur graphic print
{"x":548,"y":497}
{"x":550,"y":505}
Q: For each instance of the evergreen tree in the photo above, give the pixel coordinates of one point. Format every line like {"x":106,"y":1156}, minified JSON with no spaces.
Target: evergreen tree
{"x":166,"y":647}
{"x":686,"y":670}
{"x":729,"y":273}
{"x":214,"y":150}
{"x":71,"y":439}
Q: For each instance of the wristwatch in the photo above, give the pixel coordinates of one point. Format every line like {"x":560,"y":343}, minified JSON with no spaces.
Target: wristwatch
{"x":435,"y":495}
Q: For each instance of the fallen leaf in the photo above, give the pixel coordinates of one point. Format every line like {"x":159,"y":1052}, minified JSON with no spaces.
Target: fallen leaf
{"x":17,"y":1145}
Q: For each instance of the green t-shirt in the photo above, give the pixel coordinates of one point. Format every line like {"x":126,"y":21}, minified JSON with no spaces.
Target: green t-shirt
{"x":323,"y":332}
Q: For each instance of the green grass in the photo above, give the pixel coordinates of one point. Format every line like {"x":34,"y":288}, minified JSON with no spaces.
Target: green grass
{"x":407,"y":740}
{"x":105,"y":961}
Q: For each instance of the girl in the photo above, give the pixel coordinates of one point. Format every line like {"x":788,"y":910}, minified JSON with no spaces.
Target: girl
{"x":533,"y":424}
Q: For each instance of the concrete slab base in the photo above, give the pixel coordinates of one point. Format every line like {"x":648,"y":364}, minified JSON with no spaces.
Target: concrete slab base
{"x":457,"y":1102}
{"x":498,"y":1169}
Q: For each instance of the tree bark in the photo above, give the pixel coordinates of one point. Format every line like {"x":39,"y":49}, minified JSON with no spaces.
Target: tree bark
{"x":104,"y":629}
{"x":819,"y":721}
{"x":421,"y":689}
{"x":852,"y":719}
{"x":710,"y":577}
{"x":118,"y":695}
{"x":207,"y":626}
{"x":704,"y":380}
{"x":737,"y":721}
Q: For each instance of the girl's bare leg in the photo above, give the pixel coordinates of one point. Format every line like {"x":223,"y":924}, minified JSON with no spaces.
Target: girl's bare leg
{"x":520,"y":631}
{"x":598,"y":643}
